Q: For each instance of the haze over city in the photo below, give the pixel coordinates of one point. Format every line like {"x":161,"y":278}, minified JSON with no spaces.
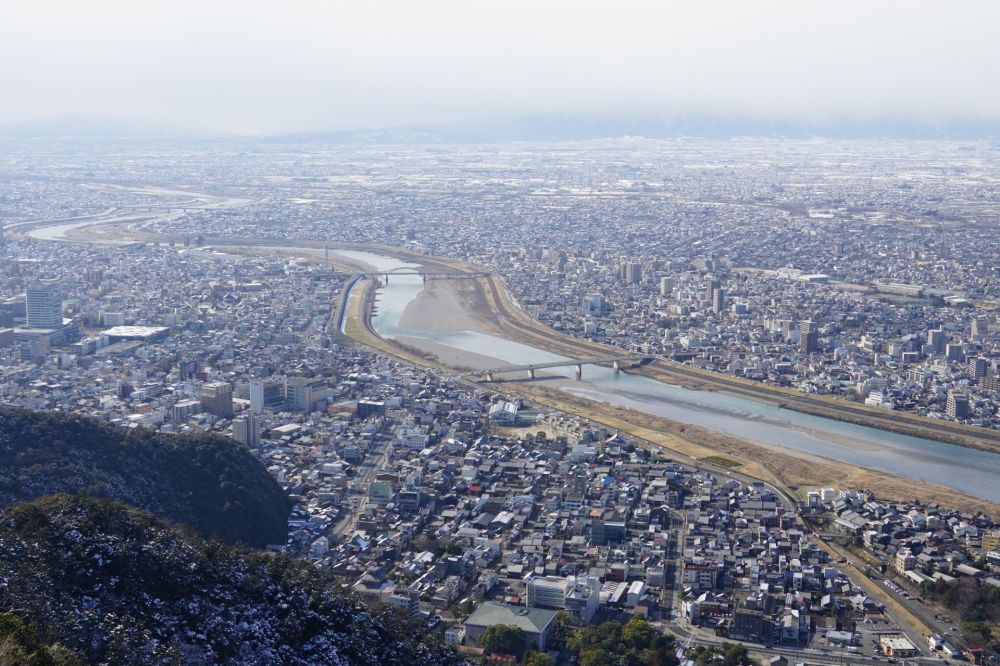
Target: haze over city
{"x":272,"y":68}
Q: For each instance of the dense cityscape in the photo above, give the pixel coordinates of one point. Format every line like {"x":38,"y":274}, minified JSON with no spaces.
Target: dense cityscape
{"x":499,"y":334}
{"x":867,"y":274}
{"x":859,"y":270}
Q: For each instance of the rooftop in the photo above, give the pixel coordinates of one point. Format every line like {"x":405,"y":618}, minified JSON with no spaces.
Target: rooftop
{"x":531,"y":620}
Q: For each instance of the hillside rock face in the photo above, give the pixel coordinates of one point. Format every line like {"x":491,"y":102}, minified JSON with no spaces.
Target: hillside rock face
{"x":206,"y":481}
{"x":117,"y":585}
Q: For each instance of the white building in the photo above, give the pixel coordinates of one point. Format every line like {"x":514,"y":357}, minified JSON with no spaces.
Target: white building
{"x":246,"y":429}
{"x":578,"y":595}
{"x":503,"y":413}
{"x":43,"y":305}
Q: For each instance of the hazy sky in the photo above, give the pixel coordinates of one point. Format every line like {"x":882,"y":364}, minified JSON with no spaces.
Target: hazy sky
{"x":290,"y":65}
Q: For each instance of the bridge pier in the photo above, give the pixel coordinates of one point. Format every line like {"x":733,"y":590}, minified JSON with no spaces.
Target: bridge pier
{"x":617,"y":366}
{"x":579,"y":371}
{"x":489,"y":376}
{"x":531,"y":372}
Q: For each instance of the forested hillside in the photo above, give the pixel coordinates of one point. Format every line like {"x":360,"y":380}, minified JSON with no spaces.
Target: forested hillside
{"x":206,"y":481}
{"x":117,"y":585}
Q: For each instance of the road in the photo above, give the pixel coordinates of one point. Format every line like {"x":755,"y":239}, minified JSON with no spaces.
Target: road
{"x":809,"y":655}
{"x":348,"y":522}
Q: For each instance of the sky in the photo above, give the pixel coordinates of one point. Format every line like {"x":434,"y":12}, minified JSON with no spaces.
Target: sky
{"x":280,"y":66}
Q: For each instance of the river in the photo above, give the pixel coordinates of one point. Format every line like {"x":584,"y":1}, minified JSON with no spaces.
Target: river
{"x":970,"y":471}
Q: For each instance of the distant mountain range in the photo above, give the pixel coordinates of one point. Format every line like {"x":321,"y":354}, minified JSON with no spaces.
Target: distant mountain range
{"x":556,"y":127}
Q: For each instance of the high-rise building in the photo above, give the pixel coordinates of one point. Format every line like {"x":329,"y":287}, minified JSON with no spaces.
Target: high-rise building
{"x":954,"y":352}
{"x":980,"y":327}
{"x":936,"y":340}
{"x":630,"y":272}
{"x":43,"y":305}
{"x":666,"y":286}
{"x":713,"y":284}
{"x":217,"y":398}
{"x":808,"y":337}
{"x":559,"y":260}
{"x":978,"y":367}
{"x":246,"y":429}
{"x":593,"y":304}
{"x":187,"y":368}
{"x":303,"y":393}
{"x":957,"y":406}
{"x":266,"y":394}
{"x":634,"y":275}
{"x":718,"y":301}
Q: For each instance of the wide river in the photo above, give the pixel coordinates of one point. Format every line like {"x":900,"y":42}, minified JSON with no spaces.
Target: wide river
{"x":971,"y":471}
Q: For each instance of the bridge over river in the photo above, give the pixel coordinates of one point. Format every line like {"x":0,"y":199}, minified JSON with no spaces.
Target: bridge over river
{"x":426,"y":274}
{"x":615,"y":361}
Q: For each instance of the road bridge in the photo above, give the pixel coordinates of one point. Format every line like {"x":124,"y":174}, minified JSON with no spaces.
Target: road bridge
{"x":615,"y":361}
{"x":427,"y":274}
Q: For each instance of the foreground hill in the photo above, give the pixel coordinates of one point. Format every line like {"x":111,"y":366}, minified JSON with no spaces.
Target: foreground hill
{"x":20,"y":646}
{"x":117,"y":585}
{"x":206,"y":481}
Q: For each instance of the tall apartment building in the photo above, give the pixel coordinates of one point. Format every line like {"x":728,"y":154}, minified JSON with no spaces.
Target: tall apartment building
{"x":631,"y":272}
{"x":936,"y":339}
{"x":957,"y":406}
{"x":979,"y":367}
{"x":217,"y":398}
{"x":666,"y":286}
{"x":980,"y":327}
{"x":246,"y":429}
{"x":808,"y":337}
{"x":713,"y":284}
{"x":718,"y":300}
{"x":43,"y":305}
{"x":954,"y":351}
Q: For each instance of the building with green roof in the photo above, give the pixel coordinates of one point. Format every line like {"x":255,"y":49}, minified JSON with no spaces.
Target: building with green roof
{"x":537,"y":623}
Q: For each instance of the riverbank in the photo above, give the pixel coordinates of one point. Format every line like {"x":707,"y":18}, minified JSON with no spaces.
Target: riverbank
{"x":498,"y":307}
{"x":793,"y":471}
